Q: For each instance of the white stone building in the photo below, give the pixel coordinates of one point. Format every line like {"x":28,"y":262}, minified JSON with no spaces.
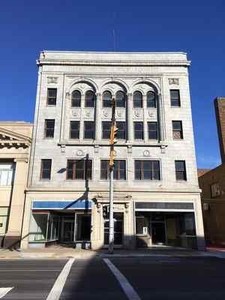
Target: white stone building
{"x":156,"y":193}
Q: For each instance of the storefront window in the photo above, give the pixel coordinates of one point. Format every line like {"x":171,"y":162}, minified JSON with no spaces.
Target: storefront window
{"x":38,"y":227}
{"x":3,"y":219}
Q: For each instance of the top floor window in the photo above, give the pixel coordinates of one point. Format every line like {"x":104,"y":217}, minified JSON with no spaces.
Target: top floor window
{"x":151,"y":99}
{"x":90,"y":99}
{"x":51,"y":96}
{"x":107,"y":99}
{"x":120,"y":99}
{"x":175,"y":98}
{"x":138,"y":99}
{"x":49,"y":128}
{"x":76,"y":99}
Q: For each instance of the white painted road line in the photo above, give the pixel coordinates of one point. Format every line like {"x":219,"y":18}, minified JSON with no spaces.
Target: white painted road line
{"x":4,"y":291}
{"x":57,"y":288}
{"x":126,"y":286}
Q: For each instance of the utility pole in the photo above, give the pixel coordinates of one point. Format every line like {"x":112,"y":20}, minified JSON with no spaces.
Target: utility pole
{"x":112,"y":141}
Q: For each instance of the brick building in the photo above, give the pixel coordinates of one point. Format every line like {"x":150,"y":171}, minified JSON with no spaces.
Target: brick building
{"x":212,"y":184}
{"x":156,"y":192}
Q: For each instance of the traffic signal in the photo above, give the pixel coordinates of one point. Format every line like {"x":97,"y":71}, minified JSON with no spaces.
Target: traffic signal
{"x":113,"y":134}
{"x":112,"y":158}
{"x":105,"y":211}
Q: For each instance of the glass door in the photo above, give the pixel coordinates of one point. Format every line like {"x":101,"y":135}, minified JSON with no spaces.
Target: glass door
{"x":67,"y":230}
{"x":118,"y":229}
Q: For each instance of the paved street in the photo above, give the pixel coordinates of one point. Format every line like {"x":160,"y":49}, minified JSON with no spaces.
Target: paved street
{"x":115,"y":278}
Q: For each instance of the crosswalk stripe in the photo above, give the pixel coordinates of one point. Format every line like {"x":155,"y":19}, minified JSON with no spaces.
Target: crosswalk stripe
{"x":60,"y":281}
{"x":126,"y":286}
{"x":4,"y":291}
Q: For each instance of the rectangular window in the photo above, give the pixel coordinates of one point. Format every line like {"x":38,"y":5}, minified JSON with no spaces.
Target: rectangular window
{"x":49,"y":128}
{"x":177,"y":130}
{"x":74,"y":129}
{"x":79,"y":169}
{"x":121,"y":133}
{"x":138,"y":131}
{"x":147,"y":170}
{"x":175,"y":98}
{"x":119,"y":172}
{"x":215,"y":189}
{"x":6,"y":173}
{"x":152,"y":130}
{"x":180,"y":168}
{"x":51,"y":96}
{"x":46,"y":165}
{"x":106,"y":128}
{"x":89,"y":130}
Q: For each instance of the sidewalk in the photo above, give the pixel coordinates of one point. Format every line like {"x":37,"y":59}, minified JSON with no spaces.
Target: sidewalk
{"x":56,"y":252}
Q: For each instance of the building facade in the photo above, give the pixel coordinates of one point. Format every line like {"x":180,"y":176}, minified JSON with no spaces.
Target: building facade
{"x":156,"y":193}
{"x":15,"y":142}
{"x":212,"y":184}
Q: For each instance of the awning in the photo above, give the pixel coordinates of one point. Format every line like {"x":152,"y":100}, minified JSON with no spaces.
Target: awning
{"x":61,"y":204}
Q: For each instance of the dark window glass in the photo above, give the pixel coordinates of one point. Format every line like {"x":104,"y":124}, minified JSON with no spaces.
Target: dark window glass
{"x":120,"y":99}
{"x":49,"y":128}
{"x":138,"y":99}
{"x":89,"y":130}
{"x":76,"y":99}
{"x":152,"y":130}
{"x":180,"y":168}
{"x":107,"y":99}
{"x":177,"y":130}
{"x":51,"y":97}
{"x":151,"y":99}
{"x":106,"y":129}
{"x":175,"y":97}
{"x":147,"y":170}
{"x":74,"y":129}
{"x":121,"y":133}
{"x":46,"y":165}
{"x":138,"y":131}
{"x":90,"y":99}
{"x":119,"y":172}
{"x":79,"y":169}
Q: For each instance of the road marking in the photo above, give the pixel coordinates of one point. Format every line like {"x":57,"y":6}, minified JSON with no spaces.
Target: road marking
{"x":4,"y":291}
{"x":60,"y":281}
{"x":126,"y":286}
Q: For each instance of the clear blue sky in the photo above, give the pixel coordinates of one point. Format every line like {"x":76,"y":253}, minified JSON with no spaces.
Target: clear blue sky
{"x":196,"y":27}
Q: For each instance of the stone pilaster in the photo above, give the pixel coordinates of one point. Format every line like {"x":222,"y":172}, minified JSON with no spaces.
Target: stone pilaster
{"x":97,"y":117}
{"x":13,"y":235}
{"x":130,"y":126}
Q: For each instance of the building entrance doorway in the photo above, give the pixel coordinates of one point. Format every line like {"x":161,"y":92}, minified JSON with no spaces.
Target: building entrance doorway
{"x":158,"y":233}
{"x":67,"y":229}
{"x":118,"y":229}
{"x":83,"y":227}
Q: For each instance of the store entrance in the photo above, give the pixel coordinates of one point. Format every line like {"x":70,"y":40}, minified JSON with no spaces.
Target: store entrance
{"x":67,"y":229}
{"x":83,"y":227}
{"x":118,"y":229}
{"x":158,"y":233}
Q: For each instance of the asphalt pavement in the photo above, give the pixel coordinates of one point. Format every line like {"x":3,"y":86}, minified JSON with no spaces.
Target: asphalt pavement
{"x":150,"y":278}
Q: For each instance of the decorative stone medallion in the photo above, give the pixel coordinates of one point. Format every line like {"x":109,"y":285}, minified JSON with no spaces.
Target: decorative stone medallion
{"x":52,"y":79}
{"x":75,"y":113}
{"x":174,"y":81}
{"x":146,"y":153}
{"x":80,"y":153}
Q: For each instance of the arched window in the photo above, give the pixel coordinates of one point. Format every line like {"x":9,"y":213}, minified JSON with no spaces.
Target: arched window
{"x":138,"y":99}
{"x":120,"y":99}
{"x":151,"y":99}
{"x":90,"y":99}
{"x":76,"y":99}
{"x":107,"y":99}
